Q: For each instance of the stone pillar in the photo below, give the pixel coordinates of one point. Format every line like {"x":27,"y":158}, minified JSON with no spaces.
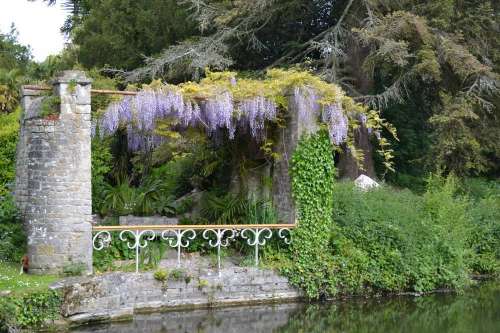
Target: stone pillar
{"x":21,"y":191}
{"x":297,"y":125}
{"x":53,"y":177}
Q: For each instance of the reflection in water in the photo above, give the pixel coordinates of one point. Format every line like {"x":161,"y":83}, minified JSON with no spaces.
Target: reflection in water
{"x":258,"y":319}
{"x":477,"y":310}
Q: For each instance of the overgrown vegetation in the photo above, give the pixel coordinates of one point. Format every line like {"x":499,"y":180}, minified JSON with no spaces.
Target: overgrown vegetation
{"x":9,"y":132}
{"x":387,"y":240}
{"x":312,"y":187}
{"x":428,"y":67}
{"x":50,"y":106}
{"x":29,"y":303}
{"x":32,"y":311}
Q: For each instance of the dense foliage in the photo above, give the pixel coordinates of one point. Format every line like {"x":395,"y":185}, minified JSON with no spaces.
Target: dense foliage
{"x":312,"y":186}
{"x":12,"y":238}
{"x":350,"y":241}
{"x":9,"y":132}
{"x":31,"y":311}
{"x":430,"y":67}
{"x":121,"y":33}
{"x":15,"y":60}
{"x":239,"y":106}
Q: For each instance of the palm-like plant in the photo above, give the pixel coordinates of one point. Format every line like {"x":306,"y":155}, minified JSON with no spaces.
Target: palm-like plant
{"x":230,"y":209}
{"x":118,"y":200}
{"x":147,"y":199}
{"x":9,"y":89}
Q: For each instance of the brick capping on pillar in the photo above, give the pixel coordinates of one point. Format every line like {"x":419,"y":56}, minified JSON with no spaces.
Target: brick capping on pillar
{"x":53,"y":177}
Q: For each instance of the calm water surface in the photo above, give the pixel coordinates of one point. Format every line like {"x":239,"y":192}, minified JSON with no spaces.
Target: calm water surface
{"x":477,"y":310}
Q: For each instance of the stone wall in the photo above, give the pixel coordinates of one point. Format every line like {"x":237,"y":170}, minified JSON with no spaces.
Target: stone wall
{"x":117,"y":295}
{"x":147,"y":220}
{"x":53,"y":176}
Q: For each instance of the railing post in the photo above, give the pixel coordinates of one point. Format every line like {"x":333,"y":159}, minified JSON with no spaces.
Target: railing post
{"x":137,"y":235}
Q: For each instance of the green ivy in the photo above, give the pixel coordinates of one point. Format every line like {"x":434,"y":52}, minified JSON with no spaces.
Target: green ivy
{"x":30,"y":310}
{"x":312,"y":187}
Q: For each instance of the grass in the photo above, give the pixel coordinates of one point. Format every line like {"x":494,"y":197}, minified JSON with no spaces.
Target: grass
{"x":20,"y":284}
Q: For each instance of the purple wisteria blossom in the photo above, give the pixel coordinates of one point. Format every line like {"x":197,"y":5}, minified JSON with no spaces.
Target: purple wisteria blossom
{"x":218,"y":113}
{"x":168,"y":103}
{"x":147,"y":110}
{"x":140,"y":113}
{"x":137,"y":141}
{"x":134,"y":139}
{"x":191,"y":113}
{"x":306,"y":102}
{"x":125,"y":115}
{"x":110,"y":121}
{"x":337,"y":122}
{"x":254,"y":113}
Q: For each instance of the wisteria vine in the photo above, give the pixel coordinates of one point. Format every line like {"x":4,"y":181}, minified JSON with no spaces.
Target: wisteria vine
{"x":219,"y":111}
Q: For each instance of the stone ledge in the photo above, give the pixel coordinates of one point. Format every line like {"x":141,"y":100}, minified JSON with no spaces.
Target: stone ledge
{"x":118,"y":296}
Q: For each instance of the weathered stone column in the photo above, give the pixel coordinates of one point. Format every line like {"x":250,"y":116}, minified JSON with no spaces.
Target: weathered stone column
{"x":297,"y":125}
{"x":53,"y":177}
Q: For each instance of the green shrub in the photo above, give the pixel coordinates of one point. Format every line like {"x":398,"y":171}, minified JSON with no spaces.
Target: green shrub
{"x":12,"y":237}
{"x":484,"y":238}
{"x":202,"y":284}
{"x":9,"y":132}
{"x":103,"y":260}
{"x":101,"y":166}
{"x":357,"y":242}
{"x":74,"y":269}
{"x":30,"y":310}
{"x":151,"y":255}
{"x":178,"y":274}
{"x":389,"y":241}
{"x":161,"y":275}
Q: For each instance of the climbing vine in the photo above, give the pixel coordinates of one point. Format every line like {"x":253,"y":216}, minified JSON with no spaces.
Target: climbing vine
{"x":312,"y":188}
{"x":225,"y":103}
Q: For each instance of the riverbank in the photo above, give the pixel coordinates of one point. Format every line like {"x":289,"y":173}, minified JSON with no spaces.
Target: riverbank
{"x":474,"y":310}
{"x":120,"y":295}
{"x":128,"y":297}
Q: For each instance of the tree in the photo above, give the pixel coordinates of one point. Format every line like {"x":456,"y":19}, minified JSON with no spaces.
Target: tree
{"x":119,"y":33}
{"x":15,"y":59}
{"x":12,"y":53}
{"x":430,"y":66}
{"x":444,"y":54}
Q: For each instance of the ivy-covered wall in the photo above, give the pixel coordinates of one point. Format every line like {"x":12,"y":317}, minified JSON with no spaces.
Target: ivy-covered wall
{"x":312,"y":187}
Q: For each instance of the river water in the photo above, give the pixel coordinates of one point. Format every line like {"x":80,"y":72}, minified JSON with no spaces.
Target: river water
{"x":476,"y":310}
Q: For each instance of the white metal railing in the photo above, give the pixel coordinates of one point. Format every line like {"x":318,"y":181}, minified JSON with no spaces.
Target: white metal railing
{"x":180,"y":236}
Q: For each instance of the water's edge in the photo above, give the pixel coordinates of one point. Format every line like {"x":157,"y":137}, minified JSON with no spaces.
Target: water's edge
{"x":210,"y":306}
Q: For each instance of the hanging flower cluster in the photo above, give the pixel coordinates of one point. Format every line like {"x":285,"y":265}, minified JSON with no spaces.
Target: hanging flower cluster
{"x":220,"y":102}
{"x":338,"y":124}
{"x":305,"y":99}
{"x":140,"y":113}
